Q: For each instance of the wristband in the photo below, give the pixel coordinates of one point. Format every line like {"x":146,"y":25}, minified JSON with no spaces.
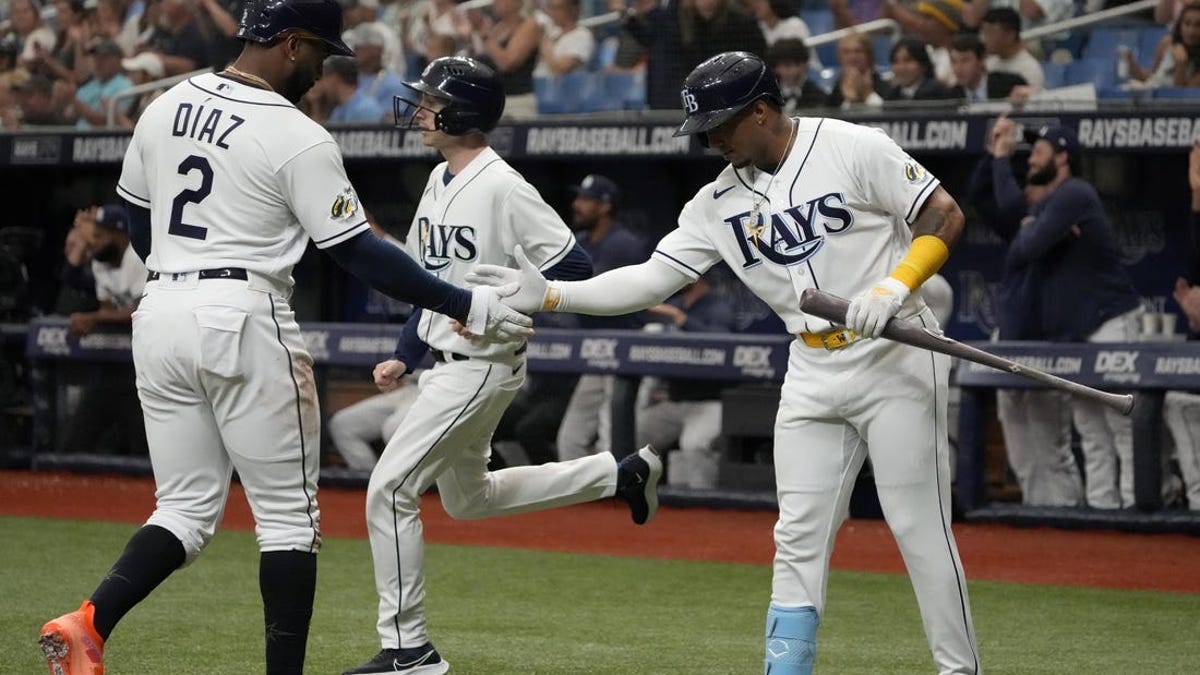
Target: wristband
{"x":926,"y":256}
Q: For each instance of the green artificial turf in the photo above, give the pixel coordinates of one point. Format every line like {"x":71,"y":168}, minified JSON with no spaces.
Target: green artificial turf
{"x":500,"y":611}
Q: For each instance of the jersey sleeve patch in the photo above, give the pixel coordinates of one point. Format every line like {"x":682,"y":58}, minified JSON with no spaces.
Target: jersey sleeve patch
{"x":345,"y":206}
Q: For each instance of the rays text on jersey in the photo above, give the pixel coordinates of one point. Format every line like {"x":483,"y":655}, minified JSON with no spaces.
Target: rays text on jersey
{"x":792,"y":235}
{"x":442,"y":244}
{"x":205,"y":124}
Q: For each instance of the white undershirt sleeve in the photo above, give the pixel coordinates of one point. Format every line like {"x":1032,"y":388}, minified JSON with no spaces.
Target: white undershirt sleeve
{"x":621,"y":290}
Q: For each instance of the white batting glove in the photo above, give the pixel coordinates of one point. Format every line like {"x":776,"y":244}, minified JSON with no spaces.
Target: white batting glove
{"x":870,"y":310}
{"x":494,"y":321}
{"x":528,"y":286}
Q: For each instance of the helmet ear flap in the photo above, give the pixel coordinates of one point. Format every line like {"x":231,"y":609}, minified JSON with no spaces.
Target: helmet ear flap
{"x":453,"y":121}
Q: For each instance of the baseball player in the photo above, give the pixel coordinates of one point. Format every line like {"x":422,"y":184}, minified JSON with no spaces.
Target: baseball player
{"x":475,"y":209}
{"x":225,"y":182}
{"x":817,"y":203}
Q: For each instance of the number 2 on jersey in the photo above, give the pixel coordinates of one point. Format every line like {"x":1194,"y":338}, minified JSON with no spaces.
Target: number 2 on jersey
{"x":186,"y":167}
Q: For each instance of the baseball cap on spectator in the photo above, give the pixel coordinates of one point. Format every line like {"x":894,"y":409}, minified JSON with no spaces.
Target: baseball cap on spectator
{"x":601,"y":188}
{"x":948,"y":13}
{"x":106,"y":47}
{"x":147,"y":62}
{"x":1062,"y":139}
{"x":112,"y":217}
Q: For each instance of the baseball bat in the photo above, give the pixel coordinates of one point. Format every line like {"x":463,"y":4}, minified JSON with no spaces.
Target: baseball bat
{"x":832,"y":308}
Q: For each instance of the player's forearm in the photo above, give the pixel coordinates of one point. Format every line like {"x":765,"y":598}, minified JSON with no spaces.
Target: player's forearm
{"x":935,"y":229}
{"x":394,"y":273}
{"x":619,"y":291}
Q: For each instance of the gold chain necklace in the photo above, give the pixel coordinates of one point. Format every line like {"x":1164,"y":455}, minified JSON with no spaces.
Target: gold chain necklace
{"x":756,"y":228}
{"x":248,"y":77}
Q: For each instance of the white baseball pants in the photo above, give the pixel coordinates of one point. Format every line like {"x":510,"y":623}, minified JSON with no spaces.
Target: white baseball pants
{"x":354,"y":428}
{"x":446,"y":437}
{"x":1037,"y":440}
{"x":226,"y":383}
{"x":888,"y":401}
{"x":693,"y":427}
{"x":1181,"y":412}
{"x":587,"y":423}
{"x":1105,"y":435}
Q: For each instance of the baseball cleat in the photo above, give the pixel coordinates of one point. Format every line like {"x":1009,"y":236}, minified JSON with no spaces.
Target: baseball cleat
{"x":71,"y":644}
{"x":637,"y":483}
{"x":423,"y":660}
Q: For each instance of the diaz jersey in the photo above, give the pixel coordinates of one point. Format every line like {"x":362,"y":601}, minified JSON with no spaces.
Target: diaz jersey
{"x":236,"y":176}
{"x":480,"y":216}
{"x":836,"y":217}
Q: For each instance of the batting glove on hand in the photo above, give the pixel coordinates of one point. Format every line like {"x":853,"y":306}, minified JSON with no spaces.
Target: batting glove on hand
{"x":525,"y":286}
{"x":494,"y":321}
{"x":870,"y":310}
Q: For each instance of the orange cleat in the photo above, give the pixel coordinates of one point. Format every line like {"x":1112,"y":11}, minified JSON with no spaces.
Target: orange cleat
{"x":71,"y":644}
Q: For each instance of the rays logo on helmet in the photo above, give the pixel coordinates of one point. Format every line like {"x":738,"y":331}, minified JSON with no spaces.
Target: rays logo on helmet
{"x":345,"y":206}
{"x":689,"y":101}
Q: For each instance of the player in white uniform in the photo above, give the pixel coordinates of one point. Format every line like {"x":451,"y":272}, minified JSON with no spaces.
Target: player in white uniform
{"x":225,"y":181}
{"x":475,"y":209}
{"x":817,"y":203}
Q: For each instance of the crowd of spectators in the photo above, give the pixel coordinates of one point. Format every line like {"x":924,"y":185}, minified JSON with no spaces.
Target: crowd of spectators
{"x":74,"y":62}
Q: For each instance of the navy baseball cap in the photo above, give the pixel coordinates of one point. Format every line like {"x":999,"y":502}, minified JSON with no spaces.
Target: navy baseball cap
{"x":1061,"y":138}
{"x":113,"y":217}
{"x":602,"y":188}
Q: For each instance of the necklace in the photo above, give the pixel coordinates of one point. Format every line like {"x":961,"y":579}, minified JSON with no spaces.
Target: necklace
{"x":757,"y":228}
{"x":248,"y":77}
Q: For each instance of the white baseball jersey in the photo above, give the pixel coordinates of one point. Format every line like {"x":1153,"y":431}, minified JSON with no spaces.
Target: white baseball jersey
{"x":480,"y":216}
{"x":228,"y":171}
{"x":121,"y":285}
{"x":818,"y":223}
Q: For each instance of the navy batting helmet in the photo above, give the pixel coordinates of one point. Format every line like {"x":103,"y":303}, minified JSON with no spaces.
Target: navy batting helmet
{"x":473,"y":92}
{"x":723,"y":86}
{"x":265,"y":21}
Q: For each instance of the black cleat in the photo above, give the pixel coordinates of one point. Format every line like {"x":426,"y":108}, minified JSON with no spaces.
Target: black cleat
{"x":423,"y":660}
{"x":637,"y":483}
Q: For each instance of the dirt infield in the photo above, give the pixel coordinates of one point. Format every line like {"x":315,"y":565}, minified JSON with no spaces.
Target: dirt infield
{"x":1025,"y":555}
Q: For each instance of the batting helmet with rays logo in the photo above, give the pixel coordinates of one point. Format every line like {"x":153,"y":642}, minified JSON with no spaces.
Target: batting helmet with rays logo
{"x":723,"y":86}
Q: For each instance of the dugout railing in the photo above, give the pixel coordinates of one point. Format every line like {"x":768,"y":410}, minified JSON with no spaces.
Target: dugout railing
{"x":1148,"y":368}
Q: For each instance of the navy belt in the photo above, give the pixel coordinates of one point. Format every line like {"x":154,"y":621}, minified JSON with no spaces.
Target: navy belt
{"x":218,"y":273}
{"x":441,"y":356}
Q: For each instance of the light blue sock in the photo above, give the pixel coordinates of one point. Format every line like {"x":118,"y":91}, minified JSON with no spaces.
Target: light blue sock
{"x":791,"y":640}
